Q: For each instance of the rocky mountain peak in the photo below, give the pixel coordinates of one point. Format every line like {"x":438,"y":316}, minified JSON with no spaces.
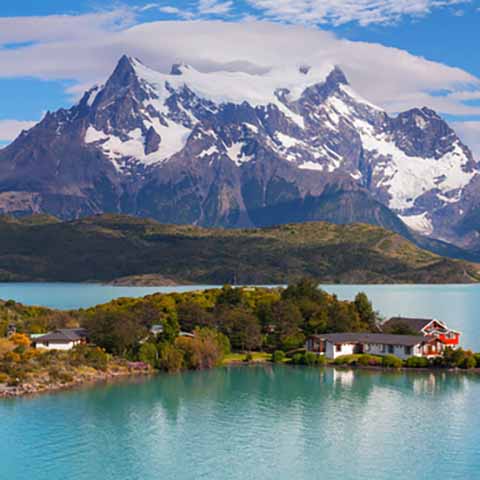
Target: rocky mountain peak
{"x":336,"y":77}
{"x":179,"y":68}
{"x":124,"y":73}
{"x":422,"y":132}
{"x":236,"y":149}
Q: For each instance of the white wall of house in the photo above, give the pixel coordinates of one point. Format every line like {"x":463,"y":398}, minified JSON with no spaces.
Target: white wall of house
{"x":398,"y":350}
{"x":373,"y":349}
{"x":345,"y":349}
{"x":56,"y":346}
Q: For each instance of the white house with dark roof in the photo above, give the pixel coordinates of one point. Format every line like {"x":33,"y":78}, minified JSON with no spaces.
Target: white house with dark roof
{"x":61,"y":339}
{"x":334,"y":345}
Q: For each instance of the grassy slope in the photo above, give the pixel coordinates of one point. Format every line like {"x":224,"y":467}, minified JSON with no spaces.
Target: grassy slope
{"x":112,"y":246}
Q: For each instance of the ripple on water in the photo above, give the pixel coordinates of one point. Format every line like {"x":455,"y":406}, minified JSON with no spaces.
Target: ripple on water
{"x":248,"y":423}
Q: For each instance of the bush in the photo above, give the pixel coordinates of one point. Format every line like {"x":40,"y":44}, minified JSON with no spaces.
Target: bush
{"x":297,"y":359}
{"x":248,"y":358}
{"x":4,"y":377}
{"x":12,"y":357}
{"x":469,"y":362}
{"x":417,"y":362}
{"x":321,"y":360}
{"x":148,"y":354}
{"x":171,"y":358}
{"x":88,"y":355}
{"x":97,"y":358}
{"x":477,"y":359}
{"x":310,"y":359}
{"x":278,"y":356}
{"x":369,"y":361}
{"x":346,"y":360}
{"x":59,"y":376}
{"x":391,"y":361}
{"x":205,"y":350}
{"x":454,"y":358}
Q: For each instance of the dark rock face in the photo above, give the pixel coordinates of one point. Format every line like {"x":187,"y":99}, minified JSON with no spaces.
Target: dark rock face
{"x":189,"y":147}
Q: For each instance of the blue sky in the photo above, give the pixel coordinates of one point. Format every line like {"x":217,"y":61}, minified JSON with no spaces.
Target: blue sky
{"x":50,"y":51}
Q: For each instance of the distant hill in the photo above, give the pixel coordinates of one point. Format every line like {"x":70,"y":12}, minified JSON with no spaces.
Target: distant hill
{"x":107,"y":248}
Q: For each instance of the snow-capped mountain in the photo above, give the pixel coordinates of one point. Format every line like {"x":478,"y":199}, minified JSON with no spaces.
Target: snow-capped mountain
{"x":236,"y":149}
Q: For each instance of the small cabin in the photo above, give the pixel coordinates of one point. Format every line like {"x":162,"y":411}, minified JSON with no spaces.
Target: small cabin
{"x":61,"y":339}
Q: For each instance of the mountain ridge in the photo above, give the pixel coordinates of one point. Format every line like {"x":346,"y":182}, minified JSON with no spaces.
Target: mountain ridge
{"x":239,"y":150}
{"x":108,"y":248}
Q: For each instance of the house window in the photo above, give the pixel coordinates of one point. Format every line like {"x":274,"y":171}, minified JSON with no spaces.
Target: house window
{"x":338,"y":347}
{"x":390,"y":349}
{"x":408,"y":350}
{"x":382,"y":348}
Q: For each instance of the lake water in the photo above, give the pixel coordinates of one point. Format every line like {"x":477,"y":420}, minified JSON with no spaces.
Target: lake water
{"x":278,"y":423}
{"x":458,"y":305}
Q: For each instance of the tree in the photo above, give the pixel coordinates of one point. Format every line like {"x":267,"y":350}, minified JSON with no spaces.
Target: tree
{"x":171,"y":358}
{"x":148,"y":353}
{"x":192,"y":315}
{"x":288,"y":321}
{"x":205,"y":350}
{"x":117,"y":332}
{"x":230,"y":296}
{"x":343,"y":317}
{"x":241,"y":327}
{"x":305,"y":288}
{"x":171,"y":329}
{"x":365,"y":310}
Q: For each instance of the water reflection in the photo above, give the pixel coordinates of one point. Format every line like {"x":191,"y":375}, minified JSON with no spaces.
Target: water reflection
{"x":250,"y":422}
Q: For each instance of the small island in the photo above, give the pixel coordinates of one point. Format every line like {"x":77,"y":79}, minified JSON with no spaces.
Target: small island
{"x":43,"y":349}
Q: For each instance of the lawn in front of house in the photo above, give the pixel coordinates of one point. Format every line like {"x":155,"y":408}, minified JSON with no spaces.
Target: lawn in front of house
{"x":256,"y":357}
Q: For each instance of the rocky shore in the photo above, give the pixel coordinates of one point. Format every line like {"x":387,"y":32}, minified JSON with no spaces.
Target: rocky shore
{"x":42,"y":382}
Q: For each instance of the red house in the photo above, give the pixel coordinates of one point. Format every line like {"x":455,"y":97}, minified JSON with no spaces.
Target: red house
{"x":424,"y":326}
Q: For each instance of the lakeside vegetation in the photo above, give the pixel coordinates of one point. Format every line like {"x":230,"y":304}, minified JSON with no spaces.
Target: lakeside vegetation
{"x":451,"y":359}
{"x":201,"y":329}
{"x":129,"y":250}
{"x":218,"y":322}
{"x":26,"y":370}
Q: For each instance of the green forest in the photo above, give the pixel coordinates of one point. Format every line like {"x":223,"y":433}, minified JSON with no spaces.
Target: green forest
{"x":119,"y":248}
{"x":222,"y":320}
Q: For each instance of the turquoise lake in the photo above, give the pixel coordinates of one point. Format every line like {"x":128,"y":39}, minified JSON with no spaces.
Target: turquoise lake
{"x":458,"y":305}
{"x":245,"y":423}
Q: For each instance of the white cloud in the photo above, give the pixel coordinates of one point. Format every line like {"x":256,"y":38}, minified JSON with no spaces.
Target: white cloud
{"x":185,"y":14}
{"x":85,"y":49}
{"x":469,"y":132}
{"x":214,"y":7}
{"x":201,"y":9}
{"x":147,"y":7}
{"x":10,"y":129}
{"x":338,"y":12}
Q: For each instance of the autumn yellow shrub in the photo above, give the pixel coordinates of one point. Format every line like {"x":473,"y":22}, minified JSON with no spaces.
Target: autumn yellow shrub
{"x":20,"y":340}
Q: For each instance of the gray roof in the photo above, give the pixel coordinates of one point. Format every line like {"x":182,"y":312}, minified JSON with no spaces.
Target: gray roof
{"x":416,"y":324}
{"x":378,"y":338}
{"x":63,"y":335}
{"x":81,"y":332}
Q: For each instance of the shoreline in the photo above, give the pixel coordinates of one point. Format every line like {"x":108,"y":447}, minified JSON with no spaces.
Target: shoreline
{"x":29,"y":391}
{"x":379,"y":368}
